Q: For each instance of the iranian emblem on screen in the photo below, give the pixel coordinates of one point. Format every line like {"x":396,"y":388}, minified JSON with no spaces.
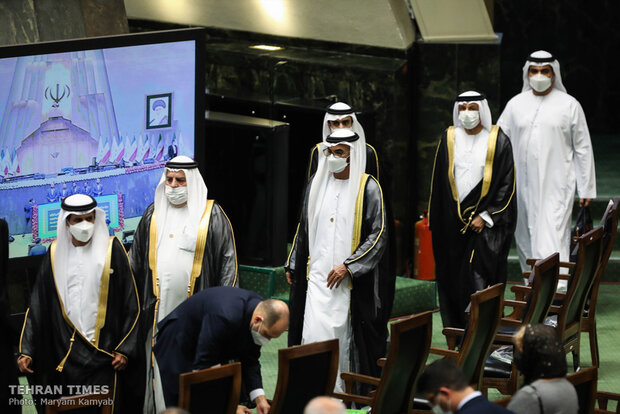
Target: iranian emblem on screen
{"x":99,"y":121}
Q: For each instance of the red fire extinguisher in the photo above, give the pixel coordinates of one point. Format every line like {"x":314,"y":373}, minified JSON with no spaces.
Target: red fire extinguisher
{"x":423,"y":261}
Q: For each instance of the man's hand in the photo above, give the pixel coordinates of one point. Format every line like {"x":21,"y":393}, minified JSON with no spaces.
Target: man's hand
{"x":584,"y":202}
{"x":336,"y":276}
{"x":119,"y":362}
{"x":242,"y":409}
{"x":262,"y":406}
{"x":23,"y":363}
{"x":289,"y":277}
{"x":477,"y":224}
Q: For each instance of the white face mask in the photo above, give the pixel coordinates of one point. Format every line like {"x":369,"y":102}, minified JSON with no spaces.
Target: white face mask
{"x":438,"y":410}
{"x":469,"y":119}
{"x":82,"y":231}
{"x":176,"y":195}
{"x":259,"y":339}
{"x":540,"y":82}
{"x":336,"y":164}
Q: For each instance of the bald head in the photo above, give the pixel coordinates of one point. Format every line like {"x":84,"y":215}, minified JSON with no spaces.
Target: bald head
{"x":273,"y":316}
{"x":325,"y":405}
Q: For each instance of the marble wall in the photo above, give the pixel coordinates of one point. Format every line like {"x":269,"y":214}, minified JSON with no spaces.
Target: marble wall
{"x":584,"y":36}
{"x":28,"y":21}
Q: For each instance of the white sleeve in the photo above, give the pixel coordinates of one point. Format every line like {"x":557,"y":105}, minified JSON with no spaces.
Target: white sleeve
{"x":583,"y":159}
{"x":487,"y":218}
{"x":256,"y":393}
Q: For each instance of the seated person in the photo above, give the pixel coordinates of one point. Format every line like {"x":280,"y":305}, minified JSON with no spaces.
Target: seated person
{"x":540,"y":357}
{"x":444,"y":385}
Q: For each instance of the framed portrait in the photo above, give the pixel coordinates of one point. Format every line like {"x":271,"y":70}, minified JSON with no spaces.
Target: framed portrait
{"x":159,"y":111}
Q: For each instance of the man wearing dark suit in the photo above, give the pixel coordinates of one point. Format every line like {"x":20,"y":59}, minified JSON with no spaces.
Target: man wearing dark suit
{"x":444,"y":385}
{"x":215,"y":326}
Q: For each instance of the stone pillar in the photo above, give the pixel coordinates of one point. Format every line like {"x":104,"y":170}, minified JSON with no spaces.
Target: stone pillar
{"x":29,"y":21}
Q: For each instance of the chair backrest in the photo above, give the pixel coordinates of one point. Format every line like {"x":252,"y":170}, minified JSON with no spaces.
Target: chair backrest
{"x":584,"y":382}
{"x":304,"y":372}
{"x":609,"y":223}
{"x":484,"y":318}
{"x":588,"y":257}
{"x":80,"y":403}
{"x":410,"y":341}
{"x":214,"y":390}
{"x":546,"y":273}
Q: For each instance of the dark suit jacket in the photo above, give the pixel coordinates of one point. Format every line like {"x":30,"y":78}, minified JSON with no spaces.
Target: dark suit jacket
{"x":211,"y":327}
{"x":480,"y":405}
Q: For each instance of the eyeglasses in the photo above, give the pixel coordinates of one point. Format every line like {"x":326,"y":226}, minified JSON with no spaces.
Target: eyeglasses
{"x":337,"y":152}
{"x":346,"y":123}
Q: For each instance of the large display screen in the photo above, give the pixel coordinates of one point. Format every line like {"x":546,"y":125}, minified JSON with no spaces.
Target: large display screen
{"x":98,"y":116}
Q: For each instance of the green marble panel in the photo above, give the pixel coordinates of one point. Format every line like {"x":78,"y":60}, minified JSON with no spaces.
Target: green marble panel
{"x":18,"y":22}
{"x":59,"y":20}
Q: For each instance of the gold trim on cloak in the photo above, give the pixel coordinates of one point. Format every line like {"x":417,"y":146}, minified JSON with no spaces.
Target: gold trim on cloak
{"x":376,"y":160}
{"x":104,"y":285}
{"x":359,"y":215}
{"x":203,"y":229}
{"x":64,"y":312}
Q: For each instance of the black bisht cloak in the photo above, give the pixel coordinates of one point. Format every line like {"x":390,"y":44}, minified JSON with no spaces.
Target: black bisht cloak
{"x":57,"y":360}
{"x":466,"y":261}
{"x":373,"y":284}
{"x":8,"y":368}
{"x":378,"y":170}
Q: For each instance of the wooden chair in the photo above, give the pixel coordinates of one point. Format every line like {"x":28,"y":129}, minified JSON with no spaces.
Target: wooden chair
{"x":484,"y":319}
{"x":584,"y":382}
{"x":410,"y":341}
{"x":609,"y":222}
{"x":214,"y":390}
{"x":304,"y":372}
{"x":571,"y":304}
{"x":504,"y":376}
{"x":569,"y":313}
{"x":79,"y":402}
{"x":603,"y":398}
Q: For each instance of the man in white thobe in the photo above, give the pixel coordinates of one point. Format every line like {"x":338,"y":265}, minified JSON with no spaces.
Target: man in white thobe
{"x":184,"y":243}
{"x":335,"y":266}
{"x":553,"y":156}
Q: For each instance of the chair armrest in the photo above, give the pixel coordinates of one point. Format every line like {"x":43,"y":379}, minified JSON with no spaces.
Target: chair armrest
{"x":366,"y":379}
{"x":518,"y":306}
{"x":563,"y":276}
{"x":452,"y":335}
{"x":531,"y":261}
{"x":381,"y":362}
{"x":448,"y":353}
{"x":569,"y":265}
{"x":520,"y":291}
{"x":503,"y":338}
{"x":555,"y":309}
{"x":349,"y":398}
{"x":511,"y":322}
{"x":603,"y":398}
{"x":515,"y":303}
